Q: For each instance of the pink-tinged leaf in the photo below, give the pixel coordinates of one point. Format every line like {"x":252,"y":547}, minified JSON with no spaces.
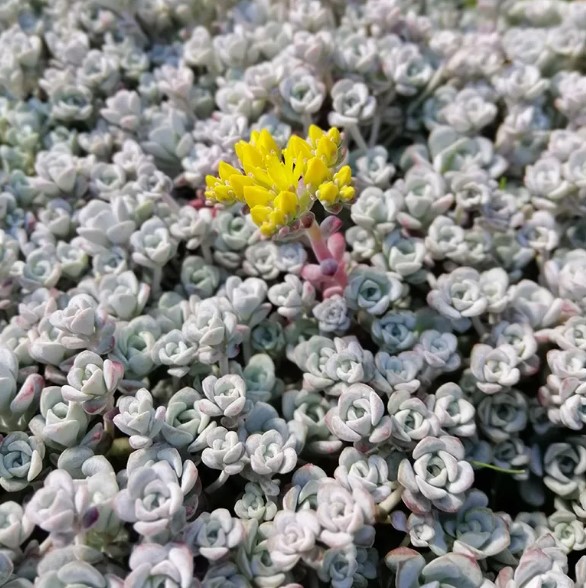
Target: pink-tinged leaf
{"x":28,"y":393}
{"x":443,"y":203}
{"x":408,"y":222}
{"x":113,"y":373}
{"x":55,"y":375}
{"x":95,"y":405}
{"x":189,"y":477}
{"x":543,"y":335}
{"x":400,"y":555}
{"x":454,"y":565}
{"x":312,"y":273}
{"x":335,"y":290}
{"x":567,"y":386}
{"x":29,"y":222}
{"x":569,"y":308}
{"x":504,"y":578}
{"x":337,"y":246}
{"x":94,"y":437}
{"x":543,"y":395}
{"x":331,"y":224}
{"x":108,"y":419}
{"x":328,"y":447}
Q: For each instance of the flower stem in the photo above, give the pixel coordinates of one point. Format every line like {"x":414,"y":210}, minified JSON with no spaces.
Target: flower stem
{"x":224,"y":365}
{"x":378,"y":118}
{"x":220,"y":481}
{"x":157,"y":277}
{"x":246,"y":347}
{"x":388,"y":504}
{"x":489,"y":466}
{"x":478,"y":326}
{"x":45,"y":546}
{"x":306,"y":118}
{"x":358,"y":138}
{"x":375,"y":129}
{"x":206,"y":252}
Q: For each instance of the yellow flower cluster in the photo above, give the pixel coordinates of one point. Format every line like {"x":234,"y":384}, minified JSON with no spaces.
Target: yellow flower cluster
{"x":278,"y":185}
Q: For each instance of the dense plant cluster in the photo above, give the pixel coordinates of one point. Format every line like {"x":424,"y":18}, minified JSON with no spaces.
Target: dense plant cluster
{"x":292,"y":293}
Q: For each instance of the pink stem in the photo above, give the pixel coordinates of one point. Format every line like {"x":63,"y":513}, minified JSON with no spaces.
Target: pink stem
{"x":322,"y":252}
{"x":341,"y":276}
{"x":318,"y":243}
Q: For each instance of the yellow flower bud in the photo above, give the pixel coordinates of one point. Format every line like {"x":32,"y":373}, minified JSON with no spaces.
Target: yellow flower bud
{"x":315,"y":134}
{"x":219,"y":191}
{"x":286,"y":202}
{"x":316,"y":172}
{"x":250,"y":157}
{"x":260,"y":214}
{"x":265,"y":142}
{"x":277,"y":219}
{"x":268,"y":230}
{"x":328,"y":150}
{"x":224,"y":194}
{"x":347,"y":193}
{"x":335,"y":135}
{"x":343,"y":176}
{"x":225,"y":170}
{"x":325,"y":146}
{"x":238,"y":183}
{"x":297,"y":149}
{"x":257,"y":196}
{"x":267,"y":219}
{"x":328,"y":193}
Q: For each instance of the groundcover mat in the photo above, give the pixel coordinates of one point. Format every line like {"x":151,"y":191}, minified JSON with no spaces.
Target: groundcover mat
{"x":292,"y":293}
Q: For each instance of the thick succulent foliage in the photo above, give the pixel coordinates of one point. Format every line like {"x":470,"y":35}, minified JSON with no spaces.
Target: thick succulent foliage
{"x":292,"y":293}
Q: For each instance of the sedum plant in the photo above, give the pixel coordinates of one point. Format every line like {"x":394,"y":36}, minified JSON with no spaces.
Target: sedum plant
{"x":240,"y":348}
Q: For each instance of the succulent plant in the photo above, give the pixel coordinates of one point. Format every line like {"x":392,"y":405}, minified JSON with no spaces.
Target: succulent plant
{"x":239,"y":348}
